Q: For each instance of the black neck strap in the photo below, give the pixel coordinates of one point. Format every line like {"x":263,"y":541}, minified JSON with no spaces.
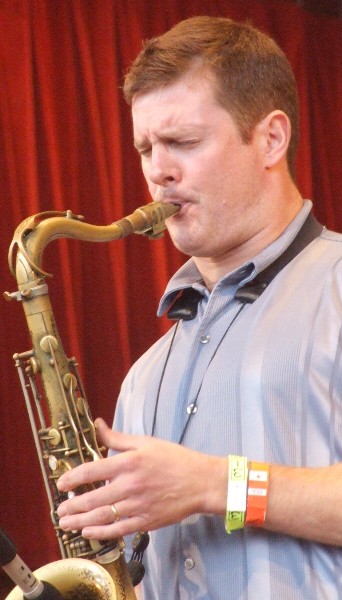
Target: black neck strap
{"x":185,"y":305}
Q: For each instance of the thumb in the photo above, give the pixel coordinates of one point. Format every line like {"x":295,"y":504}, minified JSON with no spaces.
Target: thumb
{"x":101,"y":428}
{"x":115,"y":440}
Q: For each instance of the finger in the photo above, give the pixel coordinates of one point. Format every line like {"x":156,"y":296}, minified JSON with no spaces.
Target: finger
{"x":81,"y":475}
{"x":101,"y":470}
{"x":100,"y":516}
{"x":116,"y":530}
{"x":86,"y":502}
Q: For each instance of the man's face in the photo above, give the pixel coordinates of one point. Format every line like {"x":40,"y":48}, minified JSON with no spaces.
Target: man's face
{"x":192,"y":154}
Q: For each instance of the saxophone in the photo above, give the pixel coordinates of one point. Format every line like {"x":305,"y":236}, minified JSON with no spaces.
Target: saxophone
{"x":55,"y":398}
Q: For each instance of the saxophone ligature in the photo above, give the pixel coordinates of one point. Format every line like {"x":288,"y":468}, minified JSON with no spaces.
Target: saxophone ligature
{"x":55,"y":398}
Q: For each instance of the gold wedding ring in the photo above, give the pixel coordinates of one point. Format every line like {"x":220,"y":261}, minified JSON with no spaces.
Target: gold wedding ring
{"x":115,"y":512}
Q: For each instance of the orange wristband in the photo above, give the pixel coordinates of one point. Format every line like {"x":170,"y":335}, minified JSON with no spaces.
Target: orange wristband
{"x":257,"y":492}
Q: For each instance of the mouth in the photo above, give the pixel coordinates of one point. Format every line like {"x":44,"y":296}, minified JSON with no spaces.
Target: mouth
{"x":178,"y":199}
{"x":180,"y":203}
{"x":172,"y":208}
{"x":177,"y":206}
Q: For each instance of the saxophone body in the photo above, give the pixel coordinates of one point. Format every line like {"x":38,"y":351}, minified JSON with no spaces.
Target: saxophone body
{"x":56,"y":402}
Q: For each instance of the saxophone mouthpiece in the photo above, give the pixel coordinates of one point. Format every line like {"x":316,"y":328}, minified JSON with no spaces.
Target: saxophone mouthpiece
{"x":149,"y":219}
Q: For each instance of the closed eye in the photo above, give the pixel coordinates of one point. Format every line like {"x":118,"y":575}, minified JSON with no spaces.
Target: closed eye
{"x":144,"y":150}
{"x":182,"y":143}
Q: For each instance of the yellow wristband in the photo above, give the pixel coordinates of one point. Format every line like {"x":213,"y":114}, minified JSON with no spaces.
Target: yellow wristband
{"x":236,"y":493}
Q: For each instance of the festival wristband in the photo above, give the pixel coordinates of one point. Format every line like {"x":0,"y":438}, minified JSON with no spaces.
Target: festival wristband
{"x":236,"y":493}
{"x":257,"y":493}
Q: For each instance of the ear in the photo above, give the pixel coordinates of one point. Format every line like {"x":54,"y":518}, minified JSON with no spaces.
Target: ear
{"x":275,"y":133}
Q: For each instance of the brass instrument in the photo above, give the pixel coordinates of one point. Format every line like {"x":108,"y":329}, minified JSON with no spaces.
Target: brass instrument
{"x":93,"y":570}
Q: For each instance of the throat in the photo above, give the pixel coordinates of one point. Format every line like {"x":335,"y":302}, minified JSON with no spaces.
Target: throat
{"x":212,"y":270}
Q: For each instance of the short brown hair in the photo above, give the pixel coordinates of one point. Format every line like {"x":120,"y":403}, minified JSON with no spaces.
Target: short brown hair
{"x":252,"y":73}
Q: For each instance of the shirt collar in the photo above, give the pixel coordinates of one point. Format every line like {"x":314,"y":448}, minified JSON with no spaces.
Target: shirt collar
{"x":189,"y":276}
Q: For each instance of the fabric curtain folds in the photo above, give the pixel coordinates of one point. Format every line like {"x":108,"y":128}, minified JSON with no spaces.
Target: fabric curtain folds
{"x":66,"y":143}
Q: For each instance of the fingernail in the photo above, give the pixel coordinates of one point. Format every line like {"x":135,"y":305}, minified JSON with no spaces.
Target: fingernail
{"x":60,"y":483}
{"x":64,"y":523}
{"x":61,"y":511}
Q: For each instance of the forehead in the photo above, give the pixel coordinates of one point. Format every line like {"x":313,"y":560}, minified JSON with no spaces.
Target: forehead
{"x":183,"y":103}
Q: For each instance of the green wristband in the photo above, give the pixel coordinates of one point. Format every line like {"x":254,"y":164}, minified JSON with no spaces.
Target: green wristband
{"x":236,"y":493}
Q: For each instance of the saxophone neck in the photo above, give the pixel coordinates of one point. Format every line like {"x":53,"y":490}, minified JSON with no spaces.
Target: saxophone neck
{"x":35,"y":233}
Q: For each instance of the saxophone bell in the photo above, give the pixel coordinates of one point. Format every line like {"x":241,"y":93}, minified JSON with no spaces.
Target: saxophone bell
{"x":19,"y":572}
{"x":72,"y":579}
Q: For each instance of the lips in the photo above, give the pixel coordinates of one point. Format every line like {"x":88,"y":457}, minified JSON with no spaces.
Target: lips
{"x":177,"y":202}
{"x":172,"y":197}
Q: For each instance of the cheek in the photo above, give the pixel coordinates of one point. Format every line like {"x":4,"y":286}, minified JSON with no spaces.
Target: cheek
{"x":151,"y":186}
{"x":214,"y":171}
{"x":144,"y":168}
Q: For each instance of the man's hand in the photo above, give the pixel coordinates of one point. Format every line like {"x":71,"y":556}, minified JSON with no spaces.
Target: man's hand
{"x":152,"y":483}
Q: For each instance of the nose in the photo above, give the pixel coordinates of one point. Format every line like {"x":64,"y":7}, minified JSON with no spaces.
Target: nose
{"x":163,"y":169}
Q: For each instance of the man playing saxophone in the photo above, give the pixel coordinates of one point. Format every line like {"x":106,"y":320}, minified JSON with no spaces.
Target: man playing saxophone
{"x":226,"y":443}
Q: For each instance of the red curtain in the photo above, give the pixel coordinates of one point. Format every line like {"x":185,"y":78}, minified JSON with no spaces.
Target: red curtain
{"x":65,"y":138}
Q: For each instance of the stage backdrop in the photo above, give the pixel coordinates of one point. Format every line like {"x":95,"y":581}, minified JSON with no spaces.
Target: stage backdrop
{"x":65,"y":143}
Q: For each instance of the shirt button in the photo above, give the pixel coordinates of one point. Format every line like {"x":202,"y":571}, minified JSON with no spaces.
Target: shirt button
{"x":191,"y":409}
{"x":189,"y":563}
{"x":205,"y":339}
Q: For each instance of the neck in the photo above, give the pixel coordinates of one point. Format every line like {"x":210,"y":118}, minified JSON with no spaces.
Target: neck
{"x":278,"y":218}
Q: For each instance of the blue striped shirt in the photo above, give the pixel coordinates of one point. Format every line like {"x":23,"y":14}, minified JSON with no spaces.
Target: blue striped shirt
{"x":270,"y":388}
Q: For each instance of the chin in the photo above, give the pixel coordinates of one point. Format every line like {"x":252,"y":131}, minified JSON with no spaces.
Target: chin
{"x":185,"y":242}
{"x":189,"y":249}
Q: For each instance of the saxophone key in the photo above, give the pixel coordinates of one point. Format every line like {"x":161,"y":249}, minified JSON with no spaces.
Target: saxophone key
{"x":70,"y":382}
{"x":54,"y":437}
{"x":48,"y":343}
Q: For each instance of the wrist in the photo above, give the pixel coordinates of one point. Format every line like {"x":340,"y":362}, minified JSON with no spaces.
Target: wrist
{"x":215,"y":486}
